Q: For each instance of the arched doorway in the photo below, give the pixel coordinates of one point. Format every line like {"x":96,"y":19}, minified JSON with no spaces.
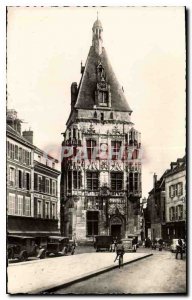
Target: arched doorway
{"x":116,"y":225}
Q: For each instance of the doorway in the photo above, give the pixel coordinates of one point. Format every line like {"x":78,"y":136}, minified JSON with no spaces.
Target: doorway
{"x":116,"y":230}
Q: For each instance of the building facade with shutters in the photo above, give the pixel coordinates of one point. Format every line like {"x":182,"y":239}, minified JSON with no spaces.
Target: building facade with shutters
{"x":22,"y":217}
{"x":175,"y":188}
{"x":101,"y":165}
{"x":46,"y":191}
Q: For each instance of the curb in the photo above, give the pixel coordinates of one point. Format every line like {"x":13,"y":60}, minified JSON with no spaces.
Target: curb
{"x":86,"y":276}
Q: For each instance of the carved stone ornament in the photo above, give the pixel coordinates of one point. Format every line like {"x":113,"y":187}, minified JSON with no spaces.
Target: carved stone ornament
{"x":116,"y":130}
{"x":112,"y":209}
{"x":104,"y":165}
{"x":116,"y":221}
{"x":91,"y":129}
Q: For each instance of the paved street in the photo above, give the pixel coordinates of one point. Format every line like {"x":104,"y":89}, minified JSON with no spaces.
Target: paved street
{"x":160,"y":273}
{"x":36,"y":276}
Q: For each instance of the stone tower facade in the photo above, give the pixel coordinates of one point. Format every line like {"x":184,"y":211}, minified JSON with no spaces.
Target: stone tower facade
{"x":101,"y":164}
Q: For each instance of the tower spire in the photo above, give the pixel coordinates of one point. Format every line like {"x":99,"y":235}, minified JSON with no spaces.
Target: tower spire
{"x":97,"y":40}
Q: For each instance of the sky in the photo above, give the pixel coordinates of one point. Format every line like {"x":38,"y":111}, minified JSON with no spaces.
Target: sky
{"x":146,"y":48}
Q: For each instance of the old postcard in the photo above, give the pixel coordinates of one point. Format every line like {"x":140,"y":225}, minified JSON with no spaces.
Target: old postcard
{"x":96,"y":150}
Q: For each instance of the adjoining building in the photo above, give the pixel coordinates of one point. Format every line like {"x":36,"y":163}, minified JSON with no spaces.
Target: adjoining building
{"x":101,"y":177}
{"x":165,"y":214}
{"x":22,"y":218}
{"x":143,"y":219}
{"x":156,"y":208}
{"x":46,"y":192}
{"x":175,"y":189}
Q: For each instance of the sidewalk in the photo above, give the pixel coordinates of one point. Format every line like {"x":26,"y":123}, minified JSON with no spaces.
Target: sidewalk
{"x":39,"y":276}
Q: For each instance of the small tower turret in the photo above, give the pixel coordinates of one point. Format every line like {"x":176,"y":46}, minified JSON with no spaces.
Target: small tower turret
{"x":97,"y":40}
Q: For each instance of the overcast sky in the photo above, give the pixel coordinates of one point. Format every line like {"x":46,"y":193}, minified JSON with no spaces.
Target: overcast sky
{"x":146,"y":47}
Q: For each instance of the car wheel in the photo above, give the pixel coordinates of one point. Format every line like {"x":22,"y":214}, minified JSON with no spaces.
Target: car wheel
{"x":42,"y":254}
{"x":10,"y":253}
{"x":23,"y":256}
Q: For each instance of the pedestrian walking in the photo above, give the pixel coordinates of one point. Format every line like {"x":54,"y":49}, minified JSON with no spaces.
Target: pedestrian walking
{"x":179,"y":248}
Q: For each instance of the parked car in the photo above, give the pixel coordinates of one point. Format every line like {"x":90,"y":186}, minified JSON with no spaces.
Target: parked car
{"x":174,"y":243}
{"x":21,"y":247}
{"x":103,"y":242}
{"x":41,"y":242}
{"x":134,"y":238}
{"x":58,"y":245}
{"x":128,"y":245}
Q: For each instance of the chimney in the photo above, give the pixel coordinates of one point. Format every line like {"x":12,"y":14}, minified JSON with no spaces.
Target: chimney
{"x":154,"y":180}
{"x":74,"y":92}
{"x":28,"y":135}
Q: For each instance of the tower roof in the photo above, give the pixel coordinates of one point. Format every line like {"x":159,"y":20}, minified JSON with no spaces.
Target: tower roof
{"x":88,"y":83}
{"x":97,"y":23}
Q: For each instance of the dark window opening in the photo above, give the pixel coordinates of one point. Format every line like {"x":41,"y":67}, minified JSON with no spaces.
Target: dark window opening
{"x":136,"y":177}
{"x":92,"y":222}
{"x":76,"y":180}
{"x":20,"y":179}
{"x":102,"y":116}
{"x":92,"y":181}
{"x":69,"y":180}
{"x":27,"y":181}
{"x":116,"y":181}
{"x":130,"y":182}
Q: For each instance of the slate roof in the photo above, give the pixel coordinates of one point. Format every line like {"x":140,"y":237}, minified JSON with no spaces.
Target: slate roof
{"x":88,"y":82}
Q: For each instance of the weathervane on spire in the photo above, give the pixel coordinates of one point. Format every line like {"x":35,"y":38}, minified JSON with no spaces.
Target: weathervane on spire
{"x":97,"y":15}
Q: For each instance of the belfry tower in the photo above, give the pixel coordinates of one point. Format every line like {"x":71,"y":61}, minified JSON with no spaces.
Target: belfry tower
{"x":101,"y":165}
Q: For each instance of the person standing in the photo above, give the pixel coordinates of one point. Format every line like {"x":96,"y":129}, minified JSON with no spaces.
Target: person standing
{"x":179,"y":248}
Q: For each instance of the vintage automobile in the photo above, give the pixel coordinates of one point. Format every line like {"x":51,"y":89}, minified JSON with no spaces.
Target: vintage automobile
{"x":41,"y":242}
{"x":59,"y":245}
{"x":22,"y":247}
{"x":103,"y":242}
{"x":128,"y":245}
{"x":173,"y":245}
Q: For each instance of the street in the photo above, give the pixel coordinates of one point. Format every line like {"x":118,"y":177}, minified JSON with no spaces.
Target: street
{"x":160,"y":273}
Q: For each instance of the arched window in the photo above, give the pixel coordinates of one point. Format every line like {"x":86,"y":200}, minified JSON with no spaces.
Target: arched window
{"x":111,"y":115}
{"x":95,"y":115}
{"x":102,"y":116}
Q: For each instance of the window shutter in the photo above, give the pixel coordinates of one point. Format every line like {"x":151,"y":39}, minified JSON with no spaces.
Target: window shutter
{"x":24,"y":180}
{"x":51,"y":186}
{"x":16,"y":177}
{"x":35,"y":181}
{"x":43,"y":184}
{"x":170,"y":191}
{"x":170,"y":214}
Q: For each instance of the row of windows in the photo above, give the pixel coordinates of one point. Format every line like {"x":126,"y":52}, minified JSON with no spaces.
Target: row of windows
{"x":176,"y":213}
{"x":18,"y":153}
{"x":103,"y":99}
{"x":74,"y":181}
{"x":47,"y":209}
{"x":45,"y":185}
{"x":116,"y":151}
{"x":18,"y":205}
{"x":176,"y":190}
{"x":19,"y":178}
